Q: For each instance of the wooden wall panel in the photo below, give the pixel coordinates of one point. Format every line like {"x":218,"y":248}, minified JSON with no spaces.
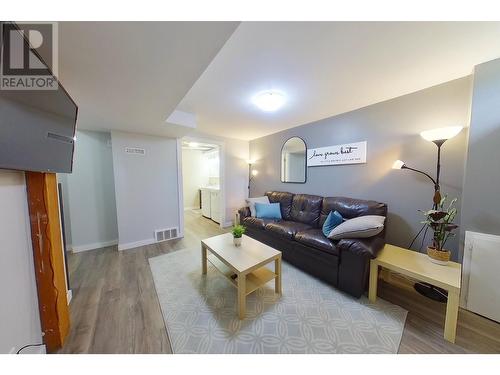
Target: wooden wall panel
{"x":49,"y":257}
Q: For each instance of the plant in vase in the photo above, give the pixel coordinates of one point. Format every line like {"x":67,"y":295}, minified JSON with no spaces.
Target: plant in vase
{"x":440,"y":221}
{"x":237,"y":232}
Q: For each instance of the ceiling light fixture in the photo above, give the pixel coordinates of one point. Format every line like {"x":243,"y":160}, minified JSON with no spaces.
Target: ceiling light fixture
{"x":269,"y":101}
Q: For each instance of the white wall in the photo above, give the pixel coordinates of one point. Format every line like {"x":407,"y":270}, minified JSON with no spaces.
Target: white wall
{"x":194,"y":176}
{"x":19,"y":315}
{"x":146,"y":187}
{"x":90,"y":197}
{"x":236,"y":175}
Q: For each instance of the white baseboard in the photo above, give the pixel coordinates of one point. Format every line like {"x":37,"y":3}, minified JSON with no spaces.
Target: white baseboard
{"x":93,"y":246}
{"x":227,"y":224}
{"x":192,"y":208}
{"x":131,"y":245}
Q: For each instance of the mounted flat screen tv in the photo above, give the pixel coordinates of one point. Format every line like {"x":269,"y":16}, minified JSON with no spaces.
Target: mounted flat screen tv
{"x":37,"y":127}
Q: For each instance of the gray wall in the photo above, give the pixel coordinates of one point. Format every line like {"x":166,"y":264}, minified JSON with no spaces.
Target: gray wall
{"x":481,"y":202}
{"x":392,"y":130}
{"x":89,"y":200}
{"x":146,"y":187}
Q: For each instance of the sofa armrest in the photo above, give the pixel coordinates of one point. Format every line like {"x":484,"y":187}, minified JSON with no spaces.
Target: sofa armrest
{"x":365,"y":247}
{"x":243,"y":212}
{"x":355,"y":255}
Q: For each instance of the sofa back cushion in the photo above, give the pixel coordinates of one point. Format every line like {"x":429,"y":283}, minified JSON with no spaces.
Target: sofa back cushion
{"x":285,"y":201}
{"x":350,"y":208}
{"x":306,"y":209}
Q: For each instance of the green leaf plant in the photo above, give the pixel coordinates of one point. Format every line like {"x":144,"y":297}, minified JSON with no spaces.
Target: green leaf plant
{"x":440,"y":221}
{"x":238,"y":231}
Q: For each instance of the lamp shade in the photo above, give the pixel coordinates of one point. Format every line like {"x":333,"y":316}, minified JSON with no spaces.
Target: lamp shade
{"x":398,"y":164}
{"x":441,"y":134}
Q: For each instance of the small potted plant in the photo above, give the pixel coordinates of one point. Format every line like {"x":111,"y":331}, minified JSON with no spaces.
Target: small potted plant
{"x":440,"y":221}
{"x":237,"y":232}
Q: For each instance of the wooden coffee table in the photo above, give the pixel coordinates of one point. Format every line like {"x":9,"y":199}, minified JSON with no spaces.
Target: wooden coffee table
{"x":243,"y":266}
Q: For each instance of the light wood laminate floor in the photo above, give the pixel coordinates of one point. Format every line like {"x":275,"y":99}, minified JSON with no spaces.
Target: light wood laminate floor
{"x":115,"y":308}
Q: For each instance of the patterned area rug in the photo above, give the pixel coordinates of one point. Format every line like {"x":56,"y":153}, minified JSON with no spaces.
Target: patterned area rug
{"x":311,"y":316}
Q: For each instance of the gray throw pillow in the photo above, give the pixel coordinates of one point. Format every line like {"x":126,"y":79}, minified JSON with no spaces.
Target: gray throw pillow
{"x":251,"y":203}
{"x":358,"y":227}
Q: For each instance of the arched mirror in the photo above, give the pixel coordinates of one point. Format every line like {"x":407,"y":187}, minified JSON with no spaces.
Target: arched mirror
{"x":293,"y":161}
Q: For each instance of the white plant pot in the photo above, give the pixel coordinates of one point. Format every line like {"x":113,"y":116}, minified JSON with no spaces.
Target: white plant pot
{"x":237,"y":241}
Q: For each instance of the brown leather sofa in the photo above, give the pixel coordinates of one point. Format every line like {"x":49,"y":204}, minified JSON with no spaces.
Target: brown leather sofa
{"x":343,"y":264}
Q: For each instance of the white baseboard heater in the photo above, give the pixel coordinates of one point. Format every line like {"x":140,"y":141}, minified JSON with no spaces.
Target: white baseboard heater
{"x":481,"y":275}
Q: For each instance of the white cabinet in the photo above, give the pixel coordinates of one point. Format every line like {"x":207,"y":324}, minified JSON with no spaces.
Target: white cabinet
{"x":205,"y":203}
{"x":210,"y":206}
{"x":214,"y":206}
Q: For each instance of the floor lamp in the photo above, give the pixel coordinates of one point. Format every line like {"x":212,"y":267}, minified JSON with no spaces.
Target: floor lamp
{"x":251,"y":174}
{"x":438,"y":137}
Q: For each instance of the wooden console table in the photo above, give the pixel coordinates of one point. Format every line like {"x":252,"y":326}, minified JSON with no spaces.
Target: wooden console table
{"x":419,"y":267}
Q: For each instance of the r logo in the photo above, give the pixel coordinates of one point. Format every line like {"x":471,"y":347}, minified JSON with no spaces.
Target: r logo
{"x":29,"y":56}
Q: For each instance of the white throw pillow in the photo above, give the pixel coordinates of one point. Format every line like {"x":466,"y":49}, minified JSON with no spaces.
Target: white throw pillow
{"x":358,"y":227}
{"x":251,"y":203}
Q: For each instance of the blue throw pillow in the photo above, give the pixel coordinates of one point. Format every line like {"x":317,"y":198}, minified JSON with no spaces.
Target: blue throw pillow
{"x":332,"y":220}
{"x":267,"y":210}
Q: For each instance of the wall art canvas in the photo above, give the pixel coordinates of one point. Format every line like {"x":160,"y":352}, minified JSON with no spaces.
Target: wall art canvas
{"x":348,"y":153}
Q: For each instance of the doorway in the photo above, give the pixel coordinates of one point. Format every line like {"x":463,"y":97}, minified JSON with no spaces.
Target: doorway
{"x":202,"y":187}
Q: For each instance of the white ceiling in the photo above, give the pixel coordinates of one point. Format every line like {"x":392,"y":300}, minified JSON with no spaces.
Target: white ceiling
{"x":130,"y":76}
{"x":327,"y":68}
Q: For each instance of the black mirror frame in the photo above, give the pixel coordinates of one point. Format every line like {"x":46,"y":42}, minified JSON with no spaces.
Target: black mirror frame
{"x":281,"y":162}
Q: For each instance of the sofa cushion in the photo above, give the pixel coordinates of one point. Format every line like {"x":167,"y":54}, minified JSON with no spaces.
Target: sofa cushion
{"x":286,"y":228}
{"x":268,"y":211}
{"x":350,"y":207}
{"x":332,"y":220}
{"x":285,"y":201}
{"x":251,"y":203}
{"x":358,"y":227}
{"x":315,"y":238}
{"x":254,"y":222}
{"x":306,"y":209}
